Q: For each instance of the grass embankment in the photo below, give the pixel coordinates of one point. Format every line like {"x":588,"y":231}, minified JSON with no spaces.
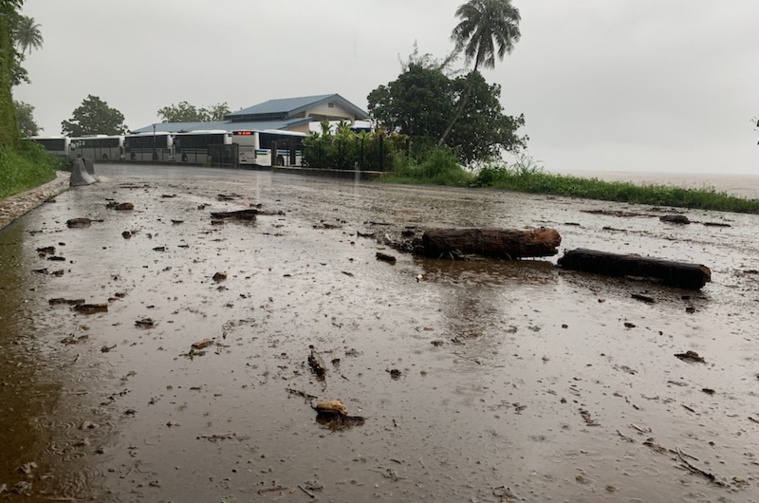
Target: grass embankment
{"x":440,"y":168}
{"x":25,"y":167}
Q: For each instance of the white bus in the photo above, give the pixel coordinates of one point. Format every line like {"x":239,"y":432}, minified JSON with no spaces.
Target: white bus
{"x":58,"y":145}
{"x":149,"y":147}
{"x":255,"y":147}
{"x":98,"y":148}
{"x":201,"y":147}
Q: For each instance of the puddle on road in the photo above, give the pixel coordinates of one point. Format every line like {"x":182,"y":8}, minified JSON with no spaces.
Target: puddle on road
{"x":482,"y":381}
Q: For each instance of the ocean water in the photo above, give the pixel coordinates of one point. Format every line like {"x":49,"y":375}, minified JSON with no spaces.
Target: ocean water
{"x":738,"y":185}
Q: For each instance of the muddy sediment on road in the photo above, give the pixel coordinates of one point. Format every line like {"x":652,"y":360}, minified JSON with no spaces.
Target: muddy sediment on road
{"x":201,"y":369}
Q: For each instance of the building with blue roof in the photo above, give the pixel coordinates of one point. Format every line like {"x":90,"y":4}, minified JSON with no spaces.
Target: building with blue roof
{"x":289,"y":114}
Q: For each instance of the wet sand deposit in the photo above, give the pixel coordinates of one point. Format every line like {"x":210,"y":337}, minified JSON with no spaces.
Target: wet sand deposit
{"x":188,"y":378}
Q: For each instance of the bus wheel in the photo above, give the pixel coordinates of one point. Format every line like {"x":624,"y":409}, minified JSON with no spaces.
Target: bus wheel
{"x":105,"y":157}
{"x":133,"y":156}
{"x":280,"y":160}
{"x":155,"y":156}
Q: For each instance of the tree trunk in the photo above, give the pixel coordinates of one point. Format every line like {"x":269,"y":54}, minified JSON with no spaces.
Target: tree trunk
{"x":462,"y":104}
{"x":510,"y":244}
{"x":678,"y":274}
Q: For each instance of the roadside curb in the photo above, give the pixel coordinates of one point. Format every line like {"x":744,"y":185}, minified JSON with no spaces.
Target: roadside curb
{"x":14,"y":207}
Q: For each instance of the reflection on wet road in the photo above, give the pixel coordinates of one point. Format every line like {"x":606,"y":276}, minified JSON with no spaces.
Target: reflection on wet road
{"x":467,"y":381}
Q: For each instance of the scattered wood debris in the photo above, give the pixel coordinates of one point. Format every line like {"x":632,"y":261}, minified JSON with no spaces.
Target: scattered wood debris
{"x":316,"y":362}
{"x":70,"y":302}
{"x":675,"y":219}
{"x":615,"y":213}
{"x":691,"y":357}
{"x":588,"y":419}
{"x":304,"y":394}
{"x":384,"y":257}
{"x":228,"y":197}
{"x":78,"y":223}
{"x":693,"y":469}
{"x":113,"y":205}
{"x":91,"y":308}
{"x":218,"y":436}
{"x":247,"y":214}
{"x":202,"y":344}
{"x":643,"y":298}
{"x":145,"y":323}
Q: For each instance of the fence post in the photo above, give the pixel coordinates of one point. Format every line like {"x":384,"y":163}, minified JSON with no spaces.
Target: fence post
{"x":382,"y":153}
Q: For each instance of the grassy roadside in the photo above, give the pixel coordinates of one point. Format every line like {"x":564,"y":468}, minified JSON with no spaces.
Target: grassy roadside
{"x":25,"y":167}
{"x":524,"y":175}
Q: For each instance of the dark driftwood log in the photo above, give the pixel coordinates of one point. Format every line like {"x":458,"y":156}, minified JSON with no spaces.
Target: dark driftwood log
{"x":248,"y":214}
{"x":678,"y":274}
{"x":501,"y":243}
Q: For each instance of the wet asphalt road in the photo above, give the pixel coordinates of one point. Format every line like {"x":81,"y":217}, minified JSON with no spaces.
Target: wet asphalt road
{"x":518,"y":381}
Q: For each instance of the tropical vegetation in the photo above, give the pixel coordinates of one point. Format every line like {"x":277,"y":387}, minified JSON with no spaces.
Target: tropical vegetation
{"x":27,"y":126}
{"x":186,"y":112}
{"x":22,"y":165}
{"x":341,"y":148}
{"x":27,"y":34}
{"x":25,"y":166}
{"x":422,"y":100}
{"x":92,"y":117}
{"x":488,"y":29}
{"x":448,"y":114}
{"x":525,"y":175}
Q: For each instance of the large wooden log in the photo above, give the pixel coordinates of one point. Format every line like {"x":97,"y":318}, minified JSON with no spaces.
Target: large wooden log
{"x":679,"y":274}
{"x":499,"y":243}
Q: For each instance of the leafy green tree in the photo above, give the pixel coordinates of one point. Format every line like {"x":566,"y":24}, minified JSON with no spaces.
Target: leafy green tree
{"x":187,"y":112}
{"x":215,"y":112}
{"x":488,"y":28}
{"x":25,"y":118}
{"x":19,"y":75}
{"x":429,"y":61}
{"x":8,"y":125}
{"x":92,"y":117}
{"x":416,"y":104}
{"x":27,"y":35}
{"x":182,"y":112}
{"x":421,"y":102}
{"x":483,"y":130}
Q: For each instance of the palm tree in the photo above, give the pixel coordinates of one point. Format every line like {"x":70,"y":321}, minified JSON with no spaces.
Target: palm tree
{"x":27,"y":34}
{"x":488,"y":28}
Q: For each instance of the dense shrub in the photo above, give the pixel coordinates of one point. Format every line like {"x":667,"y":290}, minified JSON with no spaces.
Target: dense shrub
{"x":436,"y":166}
{"x":346,"y":149}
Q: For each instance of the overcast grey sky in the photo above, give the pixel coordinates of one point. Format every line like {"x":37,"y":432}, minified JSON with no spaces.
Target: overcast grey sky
{"x":617,"y":85}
